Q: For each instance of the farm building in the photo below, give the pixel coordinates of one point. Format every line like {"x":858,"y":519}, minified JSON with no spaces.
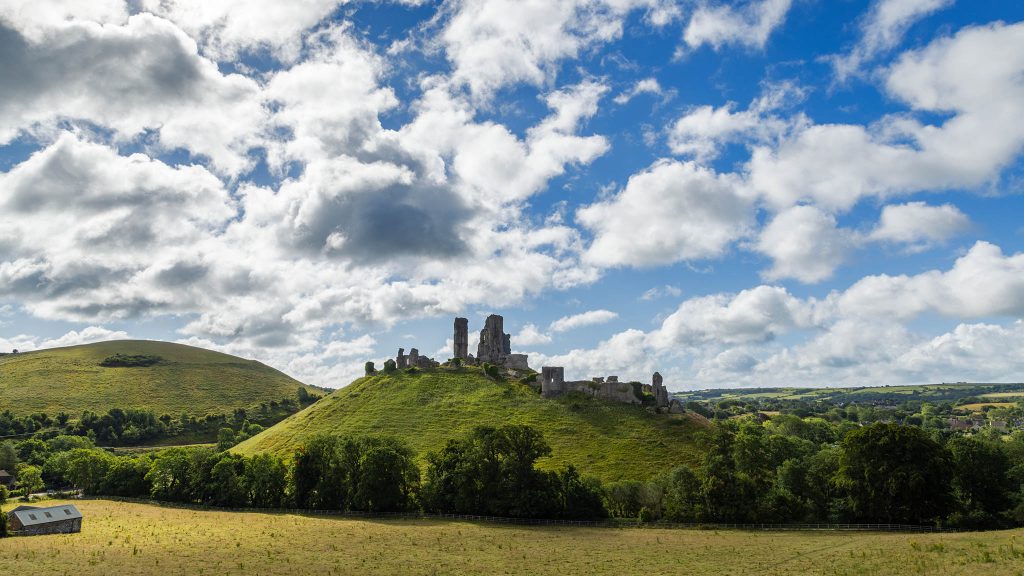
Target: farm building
{"x":6,"y":479}
{"x":32,"y":521}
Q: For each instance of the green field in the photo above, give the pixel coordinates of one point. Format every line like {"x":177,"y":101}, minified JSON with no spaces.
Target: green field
{"x":140,"y":539}
{"x":606,"y":440}
{"x":189,"y":380}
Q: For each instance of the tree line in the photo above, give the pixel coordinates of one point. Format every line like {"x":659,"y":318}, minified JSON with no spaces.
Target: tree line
{"x":130,"y":427}
{"x":491,"y":471}
{"x":784,"y":470}
{"x":793,"y":470}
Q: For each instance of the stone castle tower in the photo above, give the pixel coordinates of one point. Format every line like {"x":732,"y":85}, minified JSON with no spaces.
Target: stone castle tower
{"x":461,"y":338}
{"x":494,"y":345}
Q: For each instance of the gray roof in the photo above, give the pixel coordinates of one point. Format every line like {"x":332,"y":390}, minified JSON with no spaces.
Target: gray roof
{"x":5,"y":474}
{"x":29,"y":516}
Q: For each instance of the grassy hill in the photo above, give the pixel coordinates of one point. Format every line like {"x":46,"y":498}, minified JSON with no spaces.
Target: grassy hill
{"x":185,"y":379}
{"x":606,"y":440}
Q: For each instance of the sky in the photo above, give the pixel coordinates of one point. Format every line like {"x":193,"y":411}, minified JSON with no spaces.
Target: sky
{"x":735,"y":194}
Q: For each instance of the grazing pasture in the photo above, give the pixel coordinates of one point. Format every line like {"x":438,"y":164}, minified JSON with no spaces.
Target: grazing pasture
{"x":140,"y":539}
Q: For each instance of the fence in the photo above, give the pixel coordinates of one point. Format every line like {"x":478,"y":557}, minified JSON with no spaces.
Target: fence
{"x":611,"y":523}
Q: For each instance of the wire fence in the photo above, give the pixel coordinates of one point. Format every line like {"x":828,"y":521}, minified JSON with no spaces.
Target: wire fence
{"x":609,"y":523}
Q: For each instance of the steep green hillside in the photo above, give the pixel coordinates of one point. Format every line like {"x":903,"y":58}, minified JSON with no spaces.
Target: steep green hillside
{"x":606,"y":440}
{"x":186,"y":379}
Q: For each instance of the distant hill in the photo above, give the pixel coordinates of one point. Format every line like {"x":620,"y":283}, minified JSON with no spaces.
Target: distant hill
{"x":607,"y":440}
{"x":950,"y":392}
{"x":159,"y":376}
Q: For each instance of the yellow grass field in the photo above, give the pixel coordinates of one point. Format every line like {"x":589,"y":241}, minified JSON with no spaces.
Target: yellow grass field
{"x":978,"y":406}
{"x":128,"y":539}
{"x":1003,"y":395}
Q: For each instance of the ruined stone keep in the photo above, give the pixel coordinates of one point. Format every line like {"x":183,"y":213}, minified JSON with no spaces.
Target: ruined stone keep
{"x":461,"y":338}
{"x":494,"y":344}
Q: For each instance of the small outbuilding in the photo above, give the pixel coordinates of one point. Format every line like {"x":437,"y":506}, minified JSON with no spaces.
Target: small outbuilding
{"x":6,"y":479}
{"x":32,"y":521}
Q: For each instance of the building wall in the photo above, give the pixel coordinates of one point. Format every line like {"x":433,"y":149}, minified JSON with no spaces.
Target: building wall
{"x":61,"y":527}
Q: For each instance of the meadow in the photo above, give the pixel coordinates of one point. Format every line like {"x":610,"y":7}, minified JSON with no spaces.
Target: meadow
{"x":129,"y":539}
{"x":189,"y":380}
{"x":606,"y":440}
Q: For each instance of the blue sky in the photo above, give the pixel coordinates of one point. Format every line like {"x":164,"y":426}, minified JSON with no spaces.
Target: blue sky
{"x":771,"y":192}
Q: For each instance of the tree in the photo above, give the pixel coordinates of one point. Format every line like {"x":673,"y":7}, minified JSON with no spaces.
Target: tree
{"x":126,"y":476}
{"x":388,"y":477}
{"x":492,"y":471}
{"x":87,"y":469}
{"x":895,"y":474}
{"x":682,"y":496}
{"x":32,"y":451}
{"x":580,"y":498}
{"x":322,"y":473}
{"x":225,"y":439}
{"x":266,"y":478}
{"x":981,"y":478}
{"x":227,"y":482}
{"x":30,"y":479}
{"x":8,"y":457}
{"x":173,"y":473}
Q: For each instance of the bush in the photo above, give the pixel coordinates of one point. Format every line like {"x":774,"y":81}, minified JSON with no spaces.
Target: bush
{"x":412,"y":370}
{"x":130,"y":361}
{"x":3,"y":523}
{"x":390,"y":366}
{"x":492,"y":370}
{"x":646,"y":515}
{"x":370,"y":369}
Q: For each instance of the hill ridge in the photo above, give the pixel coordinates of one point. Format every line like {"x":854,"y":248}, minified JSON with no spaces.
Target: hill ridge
{"x":190,"y":380}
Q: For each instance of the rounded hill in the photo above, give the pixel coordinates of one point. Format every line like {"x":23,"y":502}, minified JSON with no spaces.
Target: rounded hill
{"x":140,"y":374}
{"x":603,"y":439}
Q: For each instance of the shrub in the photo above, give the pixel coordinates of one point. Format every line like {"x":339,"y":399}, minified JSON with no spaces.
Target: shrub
{"x":646,"y":515}
{"x":130,"y":361}
{"x":390,"y":366}
{"x":370,"y":369}
{"x":412,"y":370}
{"x":492,"y":370}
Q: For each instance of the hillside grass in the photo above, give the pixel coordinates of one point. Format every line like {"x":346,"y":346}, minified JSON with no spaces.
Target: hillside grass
{"x":189,"y":380}
{"x":606,"y":440}
{"x":140,"y":539}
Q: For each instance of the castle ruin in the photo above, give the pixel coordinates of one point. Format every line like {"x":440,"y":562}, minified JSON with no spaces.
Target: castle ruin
{"x":495,"y":347}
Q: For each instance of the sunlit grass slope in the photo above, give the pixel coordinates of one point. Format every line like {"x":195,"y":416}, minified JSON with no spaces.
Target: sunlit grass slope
{"x":189,"y":379}
{"x":140,"y":539}
{"x":606,"y":440}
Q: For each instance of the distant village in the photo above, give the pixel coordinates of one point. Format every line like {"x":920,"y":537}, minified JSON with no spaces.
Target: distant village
{"x":495,"y":348}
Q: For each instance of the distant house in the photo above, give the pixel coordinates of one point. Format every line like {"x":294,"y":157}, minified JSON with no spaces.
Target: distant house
{"x":6,"y":479}
{"x":955,"y":424}
{"x":32,"y":521}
